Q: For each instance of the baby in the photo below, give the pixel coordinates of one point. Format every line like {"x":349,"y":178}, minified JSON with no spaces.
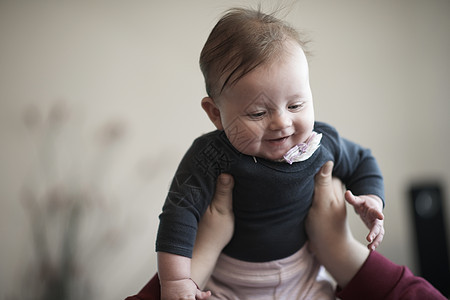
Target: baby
{"x":260,"y":101}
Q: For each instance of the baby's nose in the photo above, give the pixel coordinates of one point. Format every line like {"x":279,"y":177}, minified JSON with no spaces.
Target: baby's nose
{"x":280,"y":120}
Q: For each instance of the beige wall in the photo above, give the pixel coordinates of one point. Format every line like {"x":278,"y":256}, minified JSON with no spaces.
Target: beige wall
{"x":380,"y":73}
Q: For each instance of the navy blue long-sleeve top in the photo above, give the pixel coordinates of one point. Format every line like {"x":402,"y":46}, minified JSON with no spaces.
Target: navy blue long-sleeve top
{"x":270,"y":199}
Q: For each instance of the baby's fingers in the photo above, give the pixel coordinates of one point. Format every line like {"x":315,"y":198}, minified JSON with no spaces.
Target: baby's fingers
{"x":376,"y":242}
{"x":200,"y":295}
{"x":376,"y":234}
{"x":353,"y":200}
{"x":374,"y":214}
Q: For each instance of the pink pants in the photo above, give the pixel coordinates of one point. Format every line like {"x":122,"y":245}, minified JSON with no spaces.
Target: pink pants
{"x":298,"y":276}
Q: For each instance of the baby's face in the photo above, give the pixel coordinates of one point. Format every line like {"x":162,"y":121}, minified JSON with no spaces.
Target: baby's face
{"x":270,"y":109}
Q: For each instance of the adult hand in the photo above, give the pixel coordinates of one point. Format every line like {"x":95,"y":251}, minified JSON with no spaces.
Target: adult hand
{"x":214,"y":232}
{"x":329,"y":235}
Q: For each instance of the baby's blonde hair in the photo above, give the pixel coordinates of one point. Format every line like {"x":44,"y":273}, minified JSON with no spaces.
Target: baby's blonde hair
{"x":242,"y":40}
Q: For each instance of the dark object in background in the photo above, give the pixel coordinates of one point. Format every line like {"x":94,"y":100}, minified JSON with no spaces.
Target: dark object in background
{"x":431,"y":239}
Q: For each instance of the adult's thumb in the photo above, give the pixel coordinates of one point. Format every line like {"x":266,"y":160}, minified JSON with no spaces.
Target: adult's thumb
{"x":323,"y":177}
{"x":223,"y":198}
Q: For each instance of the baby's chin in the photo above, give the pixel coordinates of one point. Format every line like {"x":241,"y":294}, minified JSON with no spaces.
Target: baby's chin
{"x":273,"y":154}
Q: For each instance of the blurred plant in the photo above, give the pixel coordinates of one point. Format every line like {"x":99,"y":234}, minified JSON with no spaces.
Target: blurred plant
{"x":67,"y":208}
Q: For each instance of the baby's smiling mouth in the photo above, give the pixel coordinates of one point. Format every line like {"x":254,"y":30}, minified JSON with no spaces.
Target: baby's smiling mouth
{"x":278,"y":140}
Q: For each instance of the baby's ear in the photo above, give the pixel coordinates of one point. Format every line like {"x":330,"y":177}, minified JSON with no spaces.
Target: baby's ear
{"x":213,"y":112}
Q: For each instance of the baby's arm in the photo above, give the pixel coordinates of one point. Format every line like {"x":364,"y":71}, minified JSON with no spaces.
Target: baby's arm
{"x":174,"y":276}
{"x":369,"y":208}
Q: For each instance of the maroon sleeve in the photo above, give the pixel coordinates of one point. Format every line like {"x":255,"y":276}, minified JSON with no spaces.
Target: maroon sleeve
{"x":380,"y":278}
{"x":151,"y":291}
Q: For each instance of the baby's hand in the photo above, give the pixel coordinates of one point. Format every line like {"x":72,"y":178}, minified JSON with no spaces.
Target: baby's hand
{"x":183,"y":289}
{"x":369,"y":208}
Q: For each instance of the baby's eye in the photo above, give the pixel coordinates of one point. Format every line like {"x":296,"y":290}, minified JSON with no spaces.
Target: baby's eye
{"x":257,"y":115}
{"x":296,"y":106}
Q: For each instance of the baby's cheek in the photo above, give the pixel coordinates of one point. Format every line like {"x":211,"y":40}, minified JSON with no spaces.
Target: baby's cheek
{"x":243,"y":139}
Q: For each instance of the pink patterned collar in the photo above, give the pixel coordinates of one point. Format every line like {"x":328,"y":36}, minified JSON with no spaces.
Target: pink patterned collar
{"x":303,"y":151}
